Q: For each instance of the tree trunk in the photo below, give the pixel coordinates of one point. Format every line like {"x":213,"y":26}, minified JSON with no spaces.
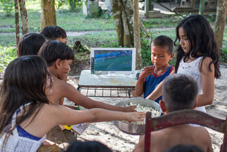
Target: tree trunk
{"x":24,"y":16}
{"x":48,"y":14}
{"x":116,"y":7}
{"x":201,"y":7}
{"x":17,"y":22}
{"x":137,"y":43}
{"x":123,"y":18}
{"x":146,"y":8}
{"x":220,"y":22}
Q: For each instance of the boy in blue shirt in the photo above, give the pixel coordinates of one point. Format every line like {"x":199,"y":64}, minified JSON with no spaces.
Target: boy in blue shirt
{"x":151,"y":76}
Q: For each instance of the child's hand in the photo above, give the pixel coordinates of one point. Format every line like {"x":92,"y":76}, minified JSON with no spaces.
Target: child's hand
{"x":129,"y":109}
{"x":146,"y":72}
{"x":135,"y":116}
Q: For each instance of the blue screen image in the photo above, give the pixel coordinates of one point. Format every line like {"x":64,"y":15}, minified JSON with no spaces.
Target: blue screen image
{"x":112,"y":60}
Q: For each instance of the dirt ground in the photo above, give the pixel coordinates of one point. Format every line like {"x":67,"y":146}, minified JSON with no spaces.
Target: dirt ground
{"x":118,"y":141}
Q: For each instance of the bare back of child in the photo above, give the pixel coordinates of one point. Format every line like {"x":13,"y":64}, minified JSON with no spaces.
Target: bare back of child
{"x":179,"y":92}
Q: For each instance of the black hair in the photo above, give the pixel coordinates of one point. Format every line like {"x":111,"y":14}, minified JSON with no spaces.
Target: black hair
{"x":53,"y":32}
{"x":53,"y":50}
{"x":185,"y":148}
{"x":24,"y":82}
{"x":179,"y":92}
{"x":164,"y":41}
{"x":88,"y":146}
{"x":30,"y":44}
{"x":202,"y":40}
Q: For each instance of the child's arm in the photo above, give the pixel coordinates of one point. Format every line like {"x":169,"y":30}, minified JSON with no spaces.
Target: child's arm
{"x":156,"y":93}
{"x":139,"y":87}
{"x":158,"y":90}
{"x":73,"y":95}
{"x":47,"y":143}
{"x":145,"y":73}
{"x":203,"y":133}
{"x":207,"y":96}
{"x":140,"y":146}
{"x":60,"y":113}
{"x":62,"y":99}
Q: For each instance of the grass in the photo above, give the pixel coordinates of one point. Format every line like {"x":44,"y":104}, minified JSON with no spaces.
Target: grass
{"x":70,"y":21}
{"x":163,"y":22}
{"x":6,"y":56}
{"x":73,"y":21}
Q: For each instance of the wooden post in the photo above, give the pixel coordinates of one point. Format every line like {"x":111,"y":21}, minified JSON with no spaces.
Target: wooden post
{"x":137,"y":44}
{"x":48,"y":13}
{"x":201,"y":7}
{"x":146,"y":8}
{"x":220,"y":23}
{"x":17,"y":22}
{"x":24,"y":16}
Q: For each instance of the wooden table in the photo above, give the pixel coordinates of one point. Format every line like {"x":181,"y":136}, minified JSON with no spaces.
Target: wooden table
{"x":117,"y":82}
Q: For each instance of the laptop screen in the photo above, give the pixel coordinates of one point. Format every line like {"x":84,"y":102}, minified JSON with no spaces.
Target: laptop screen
{"x":113,"y":60}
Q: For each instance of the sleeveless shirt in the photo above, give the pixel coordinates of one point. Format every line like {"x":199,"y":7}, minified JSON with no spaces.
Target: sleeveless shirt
{"x":192,"y":69}
{"x":21,"y":140}
{"x":152,"y":81}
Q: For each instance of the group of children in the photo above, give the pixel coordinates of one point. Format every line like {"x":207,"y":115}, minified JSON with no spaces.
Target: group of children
{"x":197,"y":58}
{"x":35,"y":83}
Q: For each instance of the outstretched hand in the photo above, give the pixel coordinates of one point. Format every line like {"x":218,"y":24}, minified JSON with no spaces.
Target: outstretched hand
{"x":135,"y":116}
{"x":146,"y":72}
{"x":129,"y":109}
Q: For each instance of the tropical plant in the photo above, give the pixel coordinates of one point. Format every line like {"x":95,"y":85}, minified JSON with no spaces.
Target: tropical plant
{"x":74,"y":5}
{"x":6,"y":56}
{"x":7,"y":6}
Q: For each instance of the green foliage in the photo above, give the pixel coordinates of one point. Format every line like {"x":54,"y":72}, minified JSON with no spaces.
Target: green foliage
{"x":7,"y":54}
{"x":164,"y":22}
{"x":96,"y":39}
{"x":78,"y":47}
{"x":105,"y":14}
{"x":211,"y":17}
{"x":74,"y":5}
{"x":145,"y":49}
{"x":8,"y":6}
{"x":60,"y":3}
{"x":7,"y":40}
{"x":78,"y":5}
{"x":223,"y":55}
{"x":101,"y":14}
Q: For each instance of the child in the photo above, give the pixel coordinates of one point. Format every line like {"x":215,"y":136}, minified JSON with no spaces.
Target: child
{"x":54,"y":33}
{"x":88,"y":146}
{"x":197,"y":56}
{"x":179,"y":92}
{"x":59,"y":57}
{"x":25,"y":113}
{"x":150,"y":77}
{"x":30,"y":44}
